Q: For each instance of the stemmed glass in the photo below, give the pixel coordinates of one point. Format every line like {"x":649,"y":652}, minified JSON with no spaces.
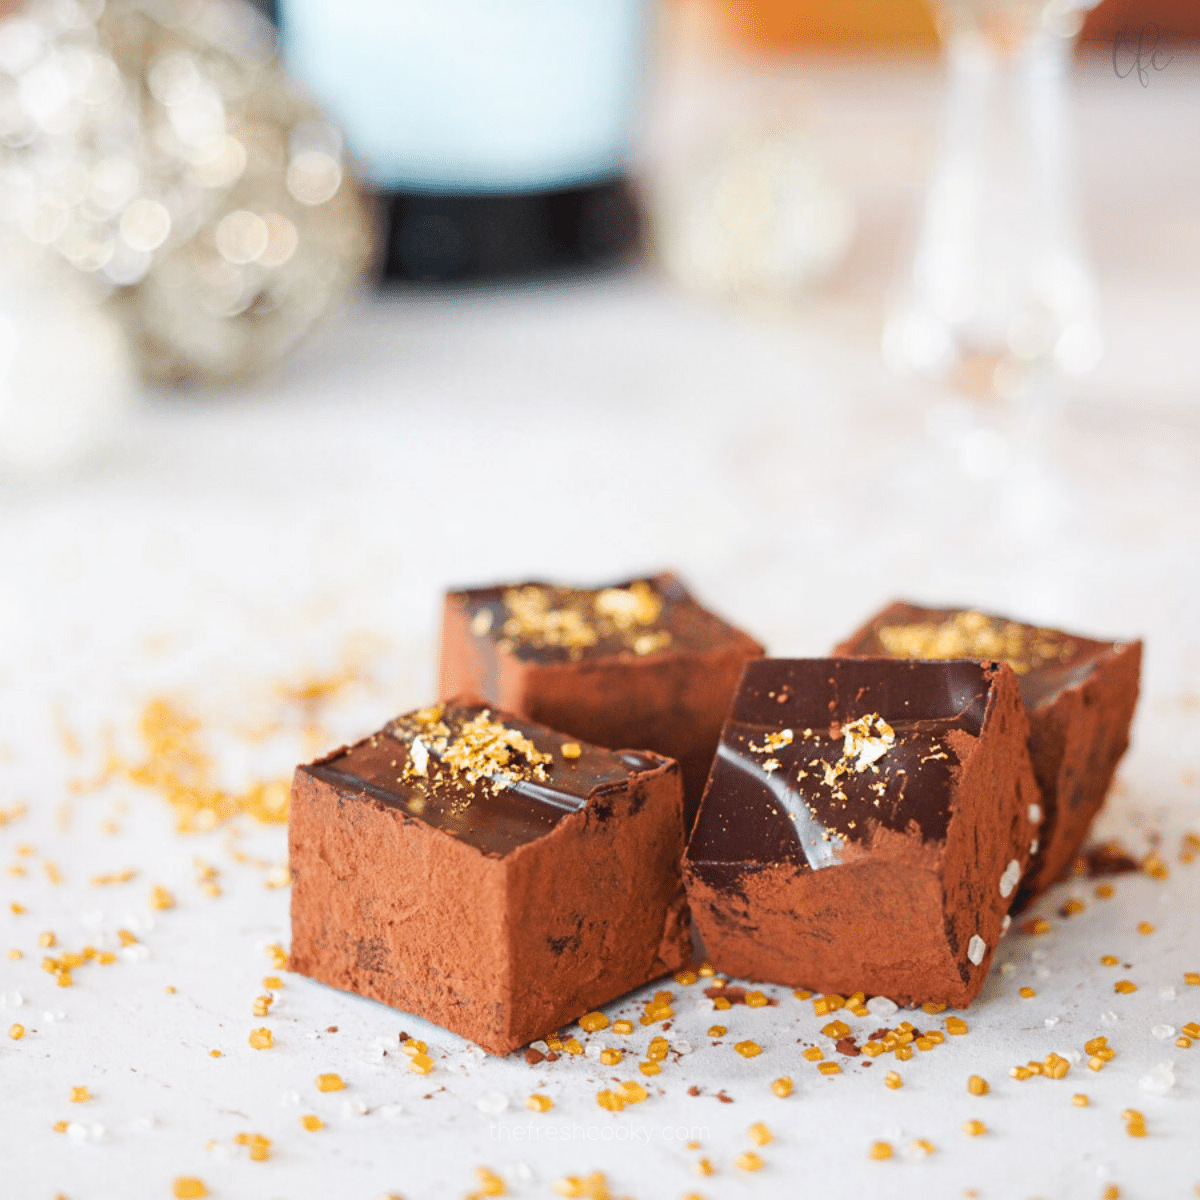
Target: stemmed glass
{"x":999,"y":295}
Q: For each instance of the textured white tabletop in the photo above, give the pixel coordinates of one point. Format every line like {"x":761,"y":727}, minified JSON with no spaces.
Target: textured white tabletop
{"x":231,"y":551}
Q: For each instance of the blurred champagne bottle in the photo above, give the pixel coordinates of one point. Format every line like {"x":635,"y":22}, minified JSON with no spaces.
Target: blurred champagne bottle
{"x":496,"y":132}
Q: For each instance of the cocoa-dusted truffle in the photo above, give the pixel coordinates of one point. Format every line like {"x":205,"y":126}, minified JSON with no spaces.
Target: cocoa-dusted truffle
{"x":639,"y":663}
{"x":865,"y":826}
{"x":486,"y":872}
{"x":1080,"y":694}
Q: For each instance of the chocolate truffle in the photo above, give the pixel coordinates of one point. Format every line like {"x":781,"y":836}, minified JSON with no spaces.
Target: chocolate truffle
{"x":636,"y":664}
{"x":1080,"y":695}
{"x":487,"y":873}
{"x":864,"y":827}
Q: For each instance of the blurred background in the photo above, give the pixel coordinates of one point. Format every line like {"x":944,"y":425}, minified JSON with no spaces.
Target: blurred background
{"x":378,"y":296}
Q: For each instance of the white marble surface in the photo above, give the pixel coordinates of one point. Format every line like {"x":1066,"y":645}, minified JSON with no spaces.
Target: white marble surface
{"x":229,"y":545}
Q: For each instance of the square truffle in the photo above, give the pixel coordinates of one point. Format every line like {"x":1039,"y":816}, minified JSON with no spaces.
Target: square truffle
{"x":486,"y":873}
{"x":864,"y":827}
{"x":639,"y":663}
{"x":1080,"y":695}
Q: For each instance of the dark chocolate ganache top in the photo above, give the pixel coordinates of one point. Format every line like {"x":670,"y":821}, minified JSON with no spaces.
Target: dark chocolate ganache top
{"x":1046,"y":661}
{"x":493,"y":780}
{"x":819,"y":752}
{"x":549,"y":623}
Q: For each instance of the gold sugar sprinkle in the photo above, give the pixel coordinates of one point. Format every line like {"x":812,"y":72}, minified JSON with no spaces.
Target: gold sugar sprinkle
{"x":893,"y":1080}
{"x":748,"y":1161}
{"x":760,"y":1135}
{"x":188,"y":1187}
{"x":571,"y":750}
{"x":971,"y":634}
{"x":748,"y":1049}
{"x":181,"y":772}
{"x":782,"y":1087}
{"x":539,"y":1103}
{"x":978,"y":1086}
{"x":312,"y":1122}
{"x":1124,"y":986}
{"x":716,"y":1031}
{"x":880,"y":1150}
{"x":330,"y":1083}
{"x":490,"y":1184}
{"x":974,"y":1128}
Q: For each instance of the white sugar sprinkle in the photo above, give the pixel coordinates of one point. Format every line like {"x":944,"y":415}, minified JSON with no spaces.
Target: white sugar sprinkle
{"x":1167,"y":993}
{"x":391,"y":1111}
{"x":976,"y":949}
{"x":682,"y":1047}
{"x":1162,"y":1032}
{"x":881,"y":1006}
{"x":1160,"y":1079}
{"x":1008,"y":969}
{"x":1035,"y":814}
{"x":12,"y":999}
{"x":354,"y":1107}
{"x":492,"y":1104}
{"x":1010,"y":878}
{"x":540,"y":1046}
{"x":1050,"y":1022}
{"x":1109,"y":1018}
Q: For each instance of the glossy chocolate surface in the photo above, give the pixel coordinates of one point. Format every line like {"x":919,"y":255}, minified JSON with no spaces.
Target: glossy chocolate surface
{"x":790,"y":786}
{"x":1047,"y":661}
{"x":656,"y":615}
{"x":495,"y":814}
